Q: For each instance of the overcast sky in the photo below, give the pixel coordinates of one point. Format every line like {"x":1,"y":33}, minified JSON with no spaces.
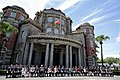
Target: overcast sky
{"x":103,"y":14}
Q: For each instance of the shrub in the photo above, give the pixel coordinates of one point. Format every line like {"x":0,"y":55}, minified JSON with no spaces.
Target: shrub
{"x":2,"y":72}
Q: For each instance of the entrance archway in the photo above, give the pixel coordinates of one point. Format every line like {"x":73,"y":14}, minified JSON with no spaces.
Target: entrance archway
{"x":56,"y":56}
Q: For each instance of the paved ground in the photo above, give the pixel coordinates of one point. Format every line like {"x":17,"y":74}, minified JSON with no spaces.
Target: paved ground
{"x":64,"y":78}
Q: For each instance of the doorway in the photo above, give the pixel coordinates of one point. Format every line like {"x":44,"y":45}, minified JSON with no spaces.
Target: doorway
{"x":56,"y":57}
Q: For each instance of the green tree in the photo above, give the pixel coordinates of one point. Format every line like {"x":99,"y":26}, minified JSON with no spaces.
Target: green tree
{"x":98,"y":60}
{"x":7,"y":28}
{"x":100,"y":39}
{"x":110,"y":60}
{"x":1,"y":14}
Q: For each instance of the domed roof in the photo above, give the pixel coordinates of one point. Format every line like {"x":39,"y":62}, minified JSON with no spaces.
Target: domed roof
{"x":86,"y":24}
{"x":52,"y":9}
{"x":16,"y":8}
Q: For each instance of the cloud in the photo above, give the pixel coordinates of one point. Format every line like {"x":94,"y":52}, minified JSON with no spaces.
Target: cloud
{"x":95,"y":12}
{"x":117,"y":20}
{"x":67,"y":3}
{"x":92,"y":21}
{"x":76,"y":26}
{"x":118,"y":38}
{"x":31,"y":7}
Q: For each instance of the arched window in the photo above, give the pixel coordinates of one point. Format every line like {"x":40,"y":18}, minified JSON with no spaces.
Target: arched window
{"x":56,"y":31}
{"x":91,"y":43}
{"x":13,"y":14}
{"x":50,"y":19}
{"x":22,"y":17}
{"x":22,"y":34}
{"x":90,"y":30}
{"x":49,"y":29}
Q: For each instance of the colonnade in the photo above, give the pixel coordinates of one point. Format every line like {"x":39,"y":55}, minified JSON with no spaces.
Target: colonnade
{"x":49,"y":51}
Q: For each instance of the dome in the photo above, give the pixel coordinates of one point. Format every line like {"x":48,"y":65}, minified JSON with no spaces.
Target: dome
{"x":86,"y":24}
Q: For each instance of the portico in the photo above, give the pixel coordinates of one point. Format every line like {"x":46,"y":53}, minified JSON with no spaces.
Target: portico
{"x":53,"y":51}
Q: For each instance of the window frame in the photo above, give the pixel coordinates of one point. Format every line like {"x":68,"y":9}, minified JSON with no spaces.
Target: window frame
{"x":50,"y":18}
{"x":22,"y":17}
{"x":57,"y":31}
{"x":48,"y":30}
{"x":13,"y":14}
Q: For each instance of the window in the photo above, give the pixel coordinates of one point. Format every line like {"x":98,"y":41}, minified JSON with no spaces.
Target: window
{"x":22,"y":17}
{"x":56,"y":31}
{"x":63,"y":32}
{"x":63,"y":22}
{"x":40,"y":19}
{"x":84,"y":30}
{"x":17,"y":58}
{"x":49,"y":29}
{"x":22,"y":34}
{"x":50,"y":19}
{"x":13,"y":14}
{"x":91,"y":43}
{"x":90,"y":30}
{"x":56,"y":19}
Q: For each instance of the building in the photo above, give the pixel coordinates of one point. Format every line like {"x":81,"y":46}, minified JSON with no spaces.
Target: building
{"x":48,"y":39}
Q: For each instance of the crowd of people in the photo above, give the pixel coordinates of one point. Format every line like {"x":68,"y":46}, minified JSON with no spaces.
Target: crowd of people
{"x":55,"y":71}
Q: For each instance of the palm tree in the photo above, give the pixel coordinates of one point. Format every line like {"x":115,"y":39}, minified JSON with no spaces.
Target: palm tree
{"x":100,"y":39}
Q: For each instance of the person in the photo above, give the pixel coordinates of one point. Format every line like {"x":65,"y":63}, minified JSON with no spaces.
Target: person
{"x":36,"y":71}
{"x":79,"y":71}
{"x":24,"y":71}
{"x":55,"y":71}
{"x":20,"y":70}
{"x":67,"y":71}
{"x":15,"y":71}
{"x":42,"y":71}
{"x":32,"y":71}
{"x":9,"y":71}
{"x":49,"y":71}
{"x":85,"y":71}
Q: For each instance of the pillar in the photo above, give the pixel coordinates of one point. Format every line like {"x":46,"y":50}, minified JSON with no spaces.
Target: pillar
{"x":47,"y":55}
{"x":79,"y":56}
{"x":67,"y":58}
{"x":61,"y":57}
{"x":51,"y":54}
{"x":30,"y":54}
{"x":26,"y":53}
{"x":76,"y":58}
{"x":70,"y":56}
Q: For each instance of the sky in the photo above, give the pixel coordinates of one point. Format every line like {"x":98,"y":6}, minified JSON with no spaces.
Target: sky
{"x":103,"y":14}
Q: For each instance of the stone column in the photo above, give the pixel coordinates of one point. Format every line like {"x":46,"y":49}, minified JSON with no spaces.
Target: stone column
{"x":61,"y":57}
{"x":47,"y":55}
{"x":26,"y":53}
{"x":79,"y":56}
{"x":67,"y":57}
{"x":51,"y":54}
{"x":76,"y":58}
{"x":70,"y":56}
{"x":30,"y":54}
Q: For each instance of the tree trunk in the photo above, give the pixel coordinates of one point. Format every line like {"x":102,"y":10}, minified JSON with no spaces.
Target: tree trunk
{"x":101,"y":54}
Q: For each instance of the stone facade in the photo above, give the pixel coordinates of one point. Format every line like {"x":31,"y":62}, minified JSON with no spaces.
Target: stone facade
{"x":49,"y":39}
